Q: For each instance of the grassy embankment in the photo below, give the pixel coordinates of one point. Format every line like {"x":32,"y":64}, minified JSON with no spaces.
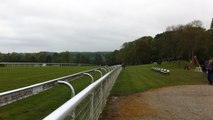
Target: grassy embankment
{"x":38,"y":106}
{"x":140,"y":78}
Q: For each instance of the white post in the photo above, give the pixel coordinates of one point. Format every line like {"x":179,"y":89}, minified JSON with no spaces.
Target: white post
{"x":89,"y":76}
{"x":72,"y":95}
{"x":91,"y":97}
{"x":99,"y":72}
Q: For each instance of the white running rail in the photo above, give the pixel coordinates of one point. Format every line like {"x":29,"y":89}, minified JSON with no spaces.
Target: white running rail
{"x":89,"y":103}
{"x":24,"y":92}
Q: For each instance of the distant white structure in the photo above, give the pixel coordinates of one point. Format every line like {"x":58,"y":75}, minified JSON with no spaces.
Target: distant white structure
{"x":198,"y":69}
{"x":44,"y":65}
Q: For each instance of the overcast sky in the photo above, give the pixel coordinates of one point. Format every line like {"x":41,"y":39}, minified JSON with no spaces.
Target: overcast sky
{"x":91,"y":25}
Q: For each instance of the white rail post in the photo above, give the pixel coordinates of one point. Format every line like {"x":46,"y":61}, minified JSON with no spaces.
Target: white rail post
{"x":91,"y":98}
{"x":89,"y":76}
{"x":104,"y":70}
{"x":101,"y":93}
{"x":72,"y":95}
{"x":108,"y":69}
{"x":99,"y":72}
{"x":69,"y":85}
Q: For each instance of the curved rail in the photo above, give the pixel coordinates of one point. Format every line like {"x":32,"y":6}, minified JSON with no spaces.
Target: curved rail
{"x":24,"y":92}
{"x":88,"y":104}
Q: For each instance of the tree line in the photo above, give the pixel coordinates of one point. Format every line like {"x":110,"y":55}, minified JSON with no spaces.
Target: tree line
{"x":95,"y":58}
{"x":177,"y":42}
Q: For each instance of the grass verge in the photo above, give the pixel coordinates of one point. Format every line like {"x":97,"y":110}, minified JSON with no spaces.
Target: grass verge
{"x":140,"y":78}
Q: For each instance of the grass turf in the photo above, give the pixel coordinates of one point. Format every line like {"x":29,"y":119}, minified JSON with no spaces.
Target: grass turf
{"x":38,"y":106}
{"x":131,"y":80}
{"x":140,"y":78}
{"x":16,"y":77}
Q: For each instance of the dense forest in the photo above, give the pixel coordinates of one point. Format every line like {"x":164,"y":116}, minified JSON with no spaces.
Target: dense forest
{"x":177,"y":42}
{"x":96,"y":58}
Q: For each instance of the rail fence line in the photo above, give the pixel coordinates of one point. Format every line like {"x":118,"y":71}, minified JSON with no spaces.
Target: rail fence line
{"x":24,"y":92}
{"x":35,"y":64}
{"x":89,"y":103}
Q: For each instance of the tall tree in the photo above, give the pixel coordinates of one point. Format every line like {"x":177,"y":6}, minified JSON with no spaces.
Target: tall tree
{"x":211,"y":27}
{"x":98,"y":59}
{"x":66,"y":57}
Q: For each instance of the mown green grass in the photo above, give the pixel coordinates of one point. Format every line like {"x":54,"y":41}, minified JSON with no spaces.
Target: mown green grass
{"x":16,"y":77}
{"x":38,"y":106}
{"x":140,"y":78}
{"x":133,"y":79}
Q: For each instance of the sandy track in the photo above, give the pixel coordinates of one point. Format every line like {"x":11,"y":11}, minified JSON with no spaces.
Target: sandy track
{"x":189,"y":102}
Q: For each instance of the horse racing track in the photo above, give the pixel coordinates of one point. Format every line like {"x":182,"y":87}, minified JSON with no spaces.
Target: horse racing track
{"x":48,"y":88}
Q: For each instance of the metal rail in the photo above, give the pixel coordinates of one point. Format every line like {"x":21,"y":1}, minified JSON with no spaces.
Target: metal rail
{"x":7,"y":64}
{"x":24,"y":92}
{"x":89,"y":103}
{"x":72,"y":90}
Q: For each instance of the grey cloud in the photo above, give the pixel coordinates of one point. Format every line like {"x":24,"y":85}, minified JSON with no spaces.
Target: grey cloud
{"x":90,"y":25}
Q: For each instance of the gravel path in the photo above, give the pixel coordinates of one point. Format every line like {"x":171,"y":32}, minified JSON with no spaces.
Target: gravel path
{"x":189,"y":102}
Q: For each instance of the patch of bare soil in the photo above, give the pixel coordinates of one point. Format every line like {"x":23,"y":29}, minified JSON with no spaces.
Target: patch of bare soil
{"x":189,"y":102}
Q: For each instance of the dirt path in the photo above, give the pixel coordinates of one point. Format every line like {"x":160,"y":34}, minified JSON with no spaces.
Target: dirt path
{"x":190,"y":102}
